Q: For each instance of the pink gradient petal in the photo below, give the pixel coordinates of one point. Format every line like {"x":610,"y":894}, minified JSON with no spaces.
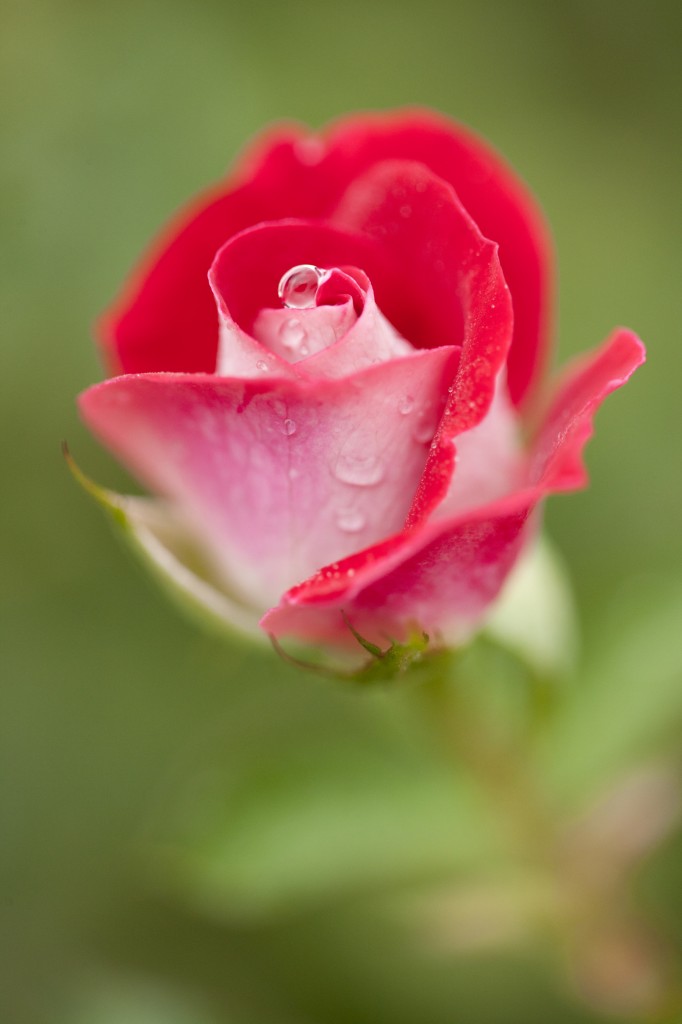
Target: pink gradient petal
{"x":276,"y":475}
{"x":293,"y":334}
{"x":442,"y":576}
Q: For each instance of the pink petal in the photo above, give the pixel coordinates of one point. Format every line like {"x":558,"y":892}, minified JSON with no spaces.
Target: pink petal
{"x":277,"y":476}
{"x":297,"y":331}
{"x":294,"y":334}
{"x":442,"y":576}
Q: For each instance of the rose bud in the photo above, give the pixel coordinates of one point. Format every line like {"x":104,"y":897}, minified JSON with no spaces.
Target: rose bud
{"x":325,"y":371}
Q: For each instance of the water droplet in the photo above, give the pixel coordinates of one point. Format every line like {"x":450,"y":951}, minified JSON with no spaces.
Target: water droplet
{"x":292,"y":333}
{"x":406,"y":405}
{"x":425,"y":427}
{"x":361,"y":470}
{"x":298,"y":287}
{"x":309,"y":151}
{"x":289,"y":427}
{"x":350,"y":520}
{"x":261,"y":365}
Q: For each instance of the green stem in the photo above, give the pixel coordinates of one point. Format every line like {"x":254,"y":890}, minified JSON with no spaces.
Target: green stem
{"x":495,"y":765}
{"x":615,"y":966}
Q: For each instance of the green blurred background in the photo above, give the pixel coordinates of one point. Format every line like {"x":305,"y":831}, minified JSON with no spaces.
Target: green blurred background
{"x":121,"y":726}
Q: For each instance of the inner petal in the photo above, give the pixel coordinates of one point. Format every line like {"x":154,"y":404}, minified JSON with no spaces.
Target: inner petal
{"x":294,"y":334}
{"x":320,"y":307}
{"x":343,"y":330}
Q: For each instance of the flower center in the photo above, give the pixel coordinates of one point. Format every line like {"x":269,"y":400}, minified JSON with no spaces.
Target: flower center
{"x":298,"y":288}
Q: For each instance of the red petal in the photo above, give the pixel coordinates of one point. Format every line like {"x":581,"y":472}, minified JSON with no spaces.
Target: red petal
{"x":557,"y":458}
{"x":460,"y":294}
{"x":165,"y":319}
{"x":498,"y":201}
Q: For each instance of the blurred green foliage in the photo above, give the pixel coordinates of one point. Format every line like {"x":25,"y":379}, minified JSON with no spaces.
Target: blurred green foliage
{"x":116,"y":717}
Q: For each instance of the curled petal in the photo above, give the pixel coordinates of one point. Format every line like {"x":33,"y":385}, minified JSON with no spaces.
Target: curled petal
{"x":244,"y":278}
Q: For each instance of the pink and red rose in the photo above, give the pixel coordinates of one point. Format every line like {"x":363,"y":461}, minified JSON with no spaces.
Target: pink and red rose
{"x":364,"y":446}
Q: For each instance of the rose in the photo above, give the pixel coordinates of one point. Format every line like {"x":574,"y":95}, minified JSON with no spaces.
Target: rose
{"x":351,"y":447}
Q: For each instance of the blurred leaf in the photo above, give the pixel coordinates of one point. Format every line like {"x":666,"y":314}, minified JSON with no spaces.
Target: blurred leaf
{"x":628,"y":701}
{"x":321,"y":823}
{"x":119,"y":1000}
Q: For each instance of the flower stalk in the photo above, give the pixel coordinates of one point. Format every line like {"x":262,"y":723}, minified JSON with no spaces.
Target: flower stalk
{"x":576,"y":890}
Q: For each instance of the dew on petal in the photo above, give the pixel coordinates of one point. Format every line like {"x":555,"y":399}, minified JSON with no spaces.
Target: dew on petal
{"x":406,"y":405}
{"x":424,"y":427}
{"x":350,"y":520}
{"x":297,"y":288}
{"x":309,"y":151}
{"x":289,"y":427}
{"x":292,"y":334}
{"x":261,"y":365}
{"x":360,"y":470}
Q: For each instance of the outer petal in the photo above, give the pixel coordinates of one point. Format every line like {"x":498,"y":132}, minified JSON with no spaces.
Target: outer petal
{"x":441,"y":577}
{"x":276,"y":475}
{"x":499,"y":203}
{"x":165,"y":319}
